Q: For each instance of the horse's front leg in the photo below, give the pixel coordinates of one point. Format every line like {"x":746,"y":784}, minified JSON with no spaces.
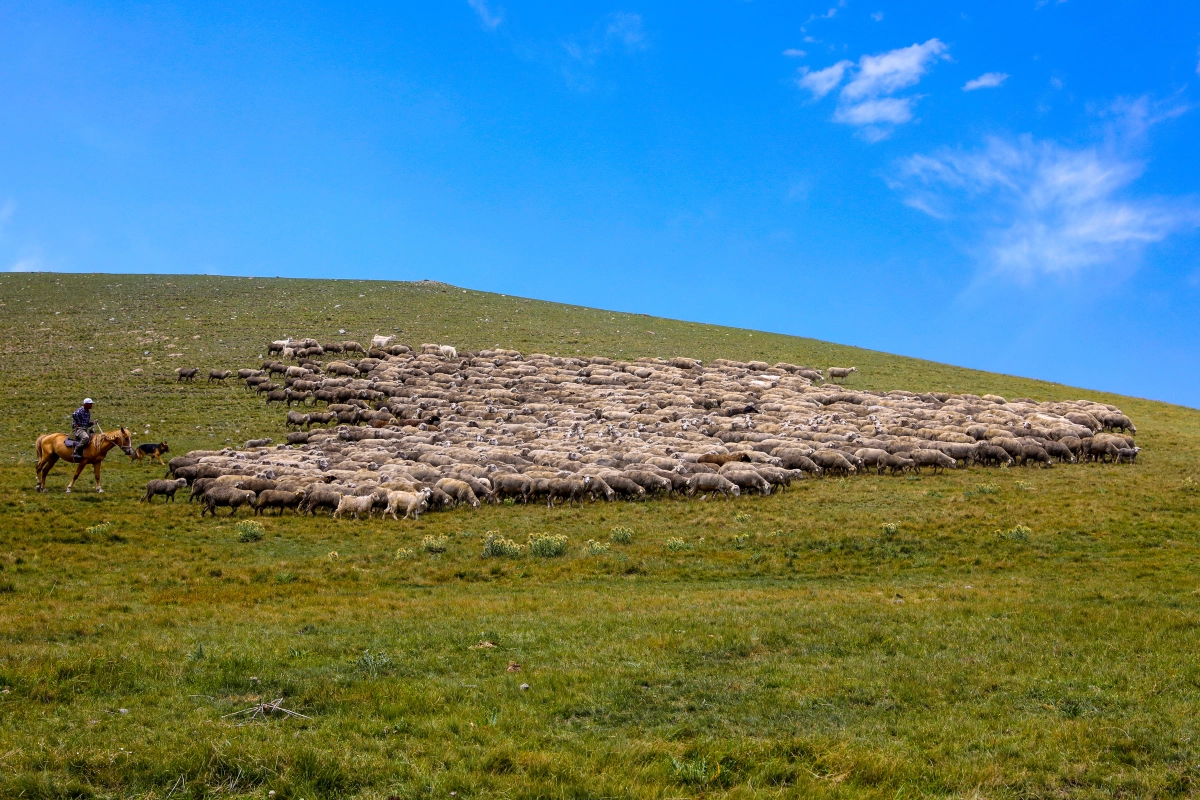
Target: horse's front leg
{"x":78,"y":472}
{"x":96,"y":467}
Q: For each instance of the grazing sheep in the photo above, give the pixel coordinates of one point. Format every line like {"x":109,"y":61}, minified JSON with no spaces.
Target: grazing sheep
{"x":705,"y":482}
{"x":165,"y":488}
{"x":295,"y":419}
{"x":277,"y":498}
{"x":413,"y":503}
{"x":1097,"y":449}
{"x":218,"y":375}
{"x":653,"y":484}
{"x":225,"y":495}
{"x":990,"y":455}
{"x":570,"y":489}
{"x":811,"y":374}
{"x":506,"y":485}
{"x":1060,"y":451}
{"x":321,"y":496}
{"x":253,"y":443}
{"x":186,"y":373}
{"x":931,"y":458}
{"x":898,"y":464}
{"x":747,"y":479}
{"x":448,"y":352}
{"x":355,"y":505}
{"x":1033,"y":452}
{"x":381,"y":341}
{"x":298,"y":437}
{"x":624,"y":487}
{"x":840,"y":372}
{"x":459,"y":490}
{"x":873,"y":457}
{"x":833,"y":462}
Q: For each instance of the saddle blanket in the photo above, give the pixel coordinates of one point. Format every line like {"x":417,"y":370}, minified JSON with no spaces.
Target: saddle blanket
{"x":70,"y":442}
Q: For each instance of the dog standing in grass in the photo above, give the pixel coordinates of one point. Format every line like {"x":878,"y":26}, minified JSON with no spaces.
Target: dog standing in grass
{"x":152,"y":451}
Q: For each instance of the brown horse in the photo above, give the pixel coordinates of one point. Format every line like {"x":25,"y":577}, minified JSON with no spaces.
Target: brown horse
{"x":52,"y":446}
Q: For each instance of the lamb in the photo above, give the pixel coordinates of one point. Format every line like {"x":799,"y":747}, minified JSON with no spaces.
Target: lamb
{"x":1128,"y":455}
{"x":279,"y":345}
{"x":355,"y":505}
{"x":230,"y":496}
{"x":253,"y":443}
{"x":459,"y":490}
{"x":276,"y":498}
{"x":413,"y":503}
{"x":186,"y":373}
{"x":381,"y":341}
{"x":448,"y":352}
{"x":218,"y":375}
{"x":163,"y":487}
{"x":840,"y":372}
{"x":705,"y":482}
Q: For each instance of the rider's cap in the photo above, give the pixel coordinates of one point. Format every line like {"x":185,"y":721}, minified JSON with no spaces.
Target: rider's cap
{"x":87,"y":400}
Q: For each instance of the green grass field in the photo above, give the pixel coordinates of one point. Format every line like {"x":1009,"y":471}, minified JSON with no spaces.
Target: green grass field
{"x":791,"y":646}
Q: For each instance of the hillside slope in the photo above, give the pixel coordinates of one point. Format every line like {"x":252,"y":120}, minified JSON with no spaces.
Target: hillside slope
{"x":1016,"y":632}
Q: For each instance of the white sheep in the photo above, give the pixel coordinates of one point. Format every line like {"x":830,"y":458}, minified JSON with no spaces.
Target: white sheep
{"x":381,"y":341}
{"x":448,"y":351}
{"x":355,"y":505}
{"x":413,"y":503}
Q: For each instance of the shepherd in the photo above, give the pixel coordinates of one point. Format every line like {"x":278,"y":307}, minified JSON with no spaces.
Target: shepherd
{"x":83,"y":447}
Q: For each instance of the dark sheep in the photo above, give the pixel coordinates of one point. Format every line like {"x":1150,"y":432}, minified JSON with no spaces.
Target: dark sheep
{"x":931,"y":458}
{"x":186,"y":373}
{"x":253,"y":443}
{"x":321,"y":496}
{"x":229,"y":496}
{"x":165,"y":488}
{"x":218,"y":375}
{"x":506,"y":485}
{"x":275,"y":498}
{"x":705,"y":482}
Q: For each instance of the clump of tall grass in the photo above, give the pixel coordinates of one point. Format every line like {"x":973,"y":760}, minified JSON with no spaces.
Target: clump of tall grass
{"x":675,"y":544}
{"x":435,"y":544}
{"x":496,"y":546}
{"x":1017,"y":533}
{"x":548,"y":545}
{"x":982,"y":488}
{"x":621,"y":535}
{"x":594,"y":548}
{"x":403,"y":553}
{"x":99,"y":529}
{"x":741,"y":517}
{"x":249,"y":530}
{"x":741,"y":540}
{"x":891,"y":528}
{"x":373,"y":664}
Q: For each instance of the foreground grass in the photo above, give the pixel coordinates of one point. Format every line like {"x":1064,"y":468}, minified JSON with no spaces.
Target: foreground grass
{"x":791,"y":647}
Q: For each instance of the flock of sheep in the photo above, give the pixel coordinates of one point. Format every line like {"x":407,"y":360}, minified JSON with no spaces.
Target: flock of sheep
{"x":401,"y":431}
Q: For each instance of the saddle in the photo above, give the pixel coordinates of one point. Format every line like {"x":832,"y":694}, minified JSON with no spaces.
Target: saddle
{"x":71,"y":443}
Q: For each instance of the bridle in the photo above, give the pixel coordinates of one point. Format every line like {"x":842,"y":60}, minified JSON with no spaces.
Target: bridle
{"x":112,"y":437}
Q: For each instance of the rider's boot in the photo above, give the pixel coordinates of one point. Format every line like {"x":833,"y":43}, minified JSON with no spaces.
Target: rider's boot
{"x":78,"y":455}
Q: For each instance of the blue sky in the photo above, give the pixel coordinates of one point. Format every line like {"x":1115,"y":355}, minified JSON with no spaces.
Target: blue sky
{"x":1014,"y":187}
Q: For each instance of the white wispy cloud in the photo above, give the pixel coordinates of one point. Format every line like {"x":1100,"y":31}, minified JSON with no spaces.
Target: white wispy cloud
{"x":866,"y":100}
{"x":627,"y":30}
{"x":877,"y":16}
{"x":1042,"y":208}
{"x":988,"y":80}
{"x":892,"y":71}
{"x":793,"y":52}
{"x":490,"y":19}
{"x":823,"y":81}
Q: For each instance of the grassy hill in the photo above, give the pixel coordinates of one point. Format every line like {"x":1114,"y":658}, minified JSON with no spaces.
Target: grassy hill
{"x":791,"y":647}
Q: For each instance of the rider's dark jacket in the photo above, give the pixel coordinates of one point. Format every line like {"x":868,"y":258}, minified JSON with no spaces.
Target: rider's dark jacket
{"x":82,"y":418}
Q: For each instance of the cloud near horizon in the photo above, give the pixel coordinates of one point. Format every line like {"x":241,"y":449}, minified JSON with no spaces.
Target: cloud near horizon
{"x":866,"y":100}
{"x":1042,"y":209}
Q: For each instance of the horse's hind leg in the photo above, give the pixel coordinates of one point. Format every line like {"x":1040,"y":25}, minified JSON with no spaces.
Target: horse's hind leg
{"x":78,"y":472}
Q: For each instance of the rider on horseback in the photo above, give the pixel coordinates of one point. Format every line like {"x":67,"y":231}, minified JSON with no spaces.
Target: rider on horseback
{"x":81,"y":427}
